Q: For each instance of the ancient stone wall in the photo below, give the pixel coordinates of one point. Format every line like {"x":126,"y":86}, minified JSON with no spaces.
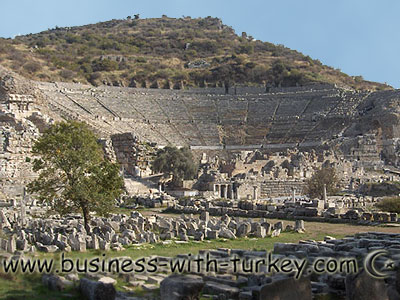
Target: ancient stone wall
{"x":18,"y":103}
{"x":133,"y":156}
{"x":272,"y":188}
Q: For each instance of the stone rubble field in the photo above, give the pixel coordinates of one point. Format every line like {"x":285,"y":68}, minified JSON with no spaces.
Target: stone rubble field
{"x":241,"y":285}
{"x":113,"y":233}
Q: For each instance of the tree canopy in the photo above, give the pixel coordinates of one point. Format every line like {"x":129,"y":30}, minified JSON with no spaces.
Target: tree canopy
{"x":73,"y":173}
{"x":391,"y":204}
{"x":176,"y":162}
{"x":315,"y":185}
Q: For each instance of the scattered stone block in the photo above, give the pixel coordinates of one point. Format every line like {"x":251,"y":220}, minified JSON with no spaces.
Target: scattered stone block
{"x":276,"y":232}
{"x":363,"y":286}
{"x":299,"y":226}
{"x":243,"y":230}
{"x":285,"y":289}
{"x":53,"y":282}
{"x":217,"y":289}
{"x":107,"y":280}
{"x":205,"y":216}
{"x":95,"y":290}
{"x":150,"y":287}
{"x":177,"y":287}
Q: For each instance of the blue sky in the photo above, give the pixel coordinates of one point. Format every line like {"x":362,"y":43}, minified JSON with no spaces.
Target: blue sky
{"x":360,"y":37}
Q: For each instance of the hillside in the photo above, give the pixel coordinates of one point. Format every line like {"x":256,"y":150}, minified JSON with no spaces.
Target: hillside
{"x":165,"y":53}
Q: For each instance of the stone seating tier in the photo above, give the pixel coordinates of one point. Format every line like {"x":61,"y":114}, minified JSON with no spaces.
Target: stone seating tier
{"x":208,"y":117}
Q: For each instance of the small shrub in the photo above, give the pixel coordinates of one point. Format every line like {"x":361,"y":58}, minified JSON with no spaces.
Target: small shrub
{"x":67,"y":74}
{"x":32,"y":67}
{"x":104,"y":65}
{"x":141,"y":60}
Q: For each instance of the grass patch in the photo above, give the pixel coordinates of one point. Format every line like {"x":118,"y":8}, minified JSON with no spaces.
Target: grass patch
{"x":22,"y":287}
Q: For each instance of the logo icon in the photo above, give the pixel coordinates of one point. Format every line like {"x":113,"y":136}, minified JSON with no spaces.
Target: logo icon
{"x":371,"y":265}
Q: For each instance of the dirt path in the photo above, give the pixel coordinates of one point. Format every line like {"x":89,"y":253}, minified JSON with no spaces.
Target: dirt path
{"x":346,"y":229}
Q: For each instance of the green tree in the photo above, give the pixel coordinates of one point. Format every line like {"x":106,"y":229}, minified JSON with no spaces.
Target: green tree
{"x":278,"y":72}
{"x":315,"y":185}
{"x":176,"y":162}
{"x":73,"y":173}
{"x":391,"y":205}
{"x":224,"y":73}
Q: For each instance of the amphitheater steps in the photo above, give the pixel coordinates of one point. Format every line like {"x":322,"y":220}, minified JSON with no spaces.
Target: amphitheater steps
{"x":209,"y":117}
{"x":139,"y":186}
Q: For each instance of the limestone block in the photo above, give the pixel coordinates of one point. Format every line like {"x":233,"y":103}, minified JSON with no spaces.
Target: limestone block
{"x":363,"y":286}
{"x":243,"y":230}
{"x":93,"y":290}
{"x":286,"y":289}
{"x":177,"y":287}
{"x":215,"y":288}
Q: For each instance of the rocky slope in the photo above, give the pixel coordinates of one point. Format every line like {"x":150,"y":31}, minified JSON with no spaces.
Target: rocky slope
{"x":165,"y":53}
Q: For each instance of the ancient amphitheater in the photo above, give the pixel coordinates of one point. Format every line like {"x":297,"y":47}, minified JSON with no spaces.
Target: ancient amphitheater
{"x":276,"y":141}
{"x":208,"y":118}
{"x":364,"y":127}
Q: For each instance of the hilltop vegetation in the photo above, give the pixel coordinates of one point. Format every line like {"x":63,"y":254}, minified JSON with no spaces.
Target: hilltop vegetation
{"x":164,"y":53}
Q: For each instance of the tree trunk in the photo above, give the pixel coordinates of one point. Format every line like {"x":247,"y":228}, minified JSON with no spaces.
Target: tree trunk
{"x":226,"y":87}
{"x":86,"y":217}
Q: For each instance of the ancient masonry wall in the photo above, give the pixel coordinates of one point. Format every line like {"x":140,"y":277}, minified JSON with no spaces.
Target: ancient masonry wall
{"x":133,"y":156}
{"x":15,"y":167}
{"x":17,"y":135}
{"x":281,"y":188}
{"x":269,"y":189}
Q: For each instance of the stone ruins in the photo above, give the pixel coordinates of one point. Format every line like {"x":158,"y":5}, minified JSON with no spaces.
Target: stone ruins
{"x":28,"y":234}
{"x":255,"y":150}
{"x":264,"y":144}
{"x":348,"y":277}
